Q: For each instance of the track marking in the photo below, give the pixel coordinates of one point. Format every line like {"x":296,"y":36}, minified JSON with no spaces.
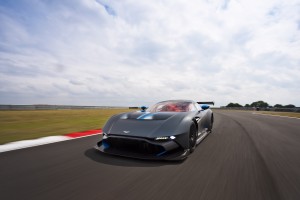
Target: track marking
{"x":82,"y":134}
{"x":47,"y":140}
{"x":32,"y":143}
{"x":254,"y":113}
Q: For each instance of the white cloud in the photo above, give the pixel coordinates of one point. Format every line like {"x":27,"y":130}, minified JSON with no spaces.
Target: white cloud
{"x":132,"y":52}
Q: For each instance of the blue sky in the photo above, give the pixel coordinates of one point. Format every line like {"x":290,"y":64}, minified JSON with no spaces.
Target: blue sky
{"x":131,"y":53}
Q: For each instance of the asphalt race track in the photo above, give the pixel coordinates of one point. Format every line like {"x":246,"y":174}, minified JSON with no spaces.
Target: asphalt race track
{"x":246,"y":157}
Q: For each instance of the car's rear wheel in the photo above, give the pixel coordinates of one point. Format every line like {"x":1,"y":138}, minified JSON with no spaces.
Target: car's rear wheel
{"x":192,"y":137}
{"x":211,"y":124}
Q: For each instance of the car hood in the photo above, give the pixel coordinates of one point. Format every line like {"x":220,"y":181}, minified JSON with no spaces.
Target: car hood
{"x":141,"y":124}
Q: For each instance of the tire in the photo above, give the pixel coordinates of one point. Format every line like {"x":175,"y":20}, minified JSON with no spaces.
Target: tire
{"x":211,"y":124}
{"x":192,"y":138}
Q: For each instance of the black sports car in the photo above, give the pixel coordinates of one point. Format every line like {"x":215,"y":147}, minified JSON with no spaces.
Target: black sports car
{"x":168,"y":130}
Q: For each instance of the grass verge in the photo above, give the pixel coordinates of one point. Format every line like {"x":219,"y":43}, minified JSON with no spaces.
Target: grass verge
{"x":22,"y":125}
{"x":287,"y":114}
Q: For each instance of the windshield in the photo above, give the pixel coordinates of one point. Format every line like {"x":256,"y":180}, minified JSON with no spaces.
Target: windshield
{"x":172,"y":106}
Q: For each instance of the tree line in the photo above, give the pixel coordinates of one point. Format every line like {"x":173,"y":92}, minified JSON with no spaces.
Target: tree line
{"x":260,"y":104}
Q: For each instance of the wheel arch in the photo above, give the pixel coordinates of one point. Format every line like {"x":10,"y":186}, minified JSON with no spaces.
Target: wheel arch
{"x":195,"y":122}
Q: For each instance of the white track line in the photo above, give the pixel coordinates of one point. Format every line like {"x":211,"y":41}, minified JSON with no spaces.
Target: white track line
{"x":37,"y":142}
{"x":254,"y":113}
{"x":32,"y":143}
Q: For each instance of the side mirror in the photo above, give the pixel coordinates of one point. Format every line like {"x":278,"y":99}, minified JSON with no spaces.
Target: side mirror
{"x":204,"y":107}
{"x":143,"y":108}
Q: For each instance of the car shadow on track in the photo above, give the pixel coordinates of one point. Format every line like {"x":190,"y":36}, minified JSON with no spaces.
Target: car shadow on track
{"x":100,"y":157}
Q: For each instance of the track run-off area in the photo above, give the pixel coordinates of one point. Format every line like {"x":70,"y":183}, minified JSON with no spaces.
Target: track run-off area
{"x":247,"y":156}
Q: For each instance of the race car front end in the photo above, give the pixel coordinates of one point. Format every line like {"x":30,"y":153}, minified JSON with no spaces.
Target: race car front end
{"x":158,"y":148}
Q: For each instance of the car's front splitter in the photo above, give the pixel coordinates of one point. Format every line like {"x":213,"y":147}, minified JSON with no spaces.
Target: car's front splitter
{"x":142,"y":148}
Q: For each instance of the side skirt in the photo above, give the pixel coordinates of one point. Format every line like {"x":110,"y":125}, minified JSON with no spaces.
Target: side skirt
{"x":203,"y":135}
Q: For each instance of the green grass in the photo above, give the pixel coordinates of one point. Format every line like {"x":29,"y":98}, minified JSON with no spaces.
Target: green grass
{"x":22,"y":125}
{"x":288,"y":114}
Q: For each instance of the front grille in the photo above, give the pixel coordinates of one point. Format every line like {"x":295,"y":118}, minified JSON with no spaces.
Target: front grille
{"x":134,"y":145}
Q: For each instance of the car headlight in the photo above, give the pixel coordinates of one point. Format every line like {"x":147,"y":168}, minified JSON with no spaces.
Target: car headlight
{"x":165,"y":138}
{"x":161,"y":138}
{"x":104,"y":135}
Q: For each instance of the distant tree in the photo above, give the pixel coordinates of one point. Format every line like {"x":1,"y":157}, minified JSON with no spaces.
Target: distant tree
{"x":259,"y":104}
{"x":289,"y":106}
{"x":247,"y":106}
{"x":278,"y":106}
{"x":233,"y":105}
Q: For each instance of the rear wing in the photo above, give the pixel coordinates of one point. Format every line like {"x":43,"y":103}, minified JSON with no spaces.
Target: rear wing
{"x":206,"y":102}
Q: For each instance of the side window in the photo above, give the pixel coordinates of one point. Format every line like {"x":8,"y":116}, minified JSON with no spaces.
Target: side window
{"x":197,"y":106}
{"x":192,"y":107}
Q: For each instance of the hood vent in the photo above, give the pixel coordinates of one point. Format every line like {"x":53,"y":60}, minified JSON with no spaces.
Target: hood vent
{"x":147,"y":116}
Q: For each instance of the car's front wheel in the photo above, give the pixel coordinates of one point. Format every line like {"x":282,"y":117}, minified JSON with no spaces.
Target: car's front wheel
{"x":192,"y":137}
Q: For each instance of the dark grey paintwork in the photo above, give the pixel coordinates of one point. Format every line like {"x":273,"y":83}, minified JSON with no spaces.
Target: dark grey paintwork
{"x":136,"y":126}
